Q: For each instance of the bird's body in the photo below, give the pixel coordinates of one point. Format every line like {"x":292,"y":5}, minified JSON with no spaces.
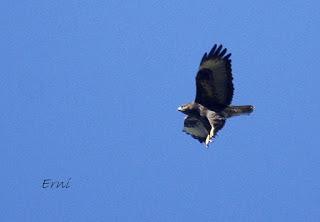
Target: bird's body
{"x":208,"y":113}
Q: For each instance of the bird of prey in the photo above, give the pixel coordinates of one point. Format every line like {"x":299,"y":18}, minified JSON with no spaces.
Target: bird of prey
{"x":214,"y":91}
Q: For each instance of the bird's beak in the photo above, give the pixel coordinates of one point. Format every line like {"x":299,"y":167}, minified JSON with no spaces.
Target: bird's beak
{"x":180,"y":108}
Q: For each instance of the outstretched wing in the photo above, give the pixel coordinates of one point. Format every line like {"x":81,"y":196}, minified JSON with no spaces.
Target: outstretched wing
{"x":214,"y":79}
{"x":197,"y":127}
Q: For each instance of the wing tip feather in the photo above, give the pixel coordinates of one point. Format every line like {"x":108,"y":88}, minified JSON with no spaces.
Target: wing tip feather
{"x":204,"y":58}
{"x":217,"y":51}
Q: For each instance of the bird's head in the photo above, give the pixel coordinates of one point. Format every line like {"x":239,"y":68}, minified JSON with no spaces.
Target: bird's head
{"x":186,"y":108}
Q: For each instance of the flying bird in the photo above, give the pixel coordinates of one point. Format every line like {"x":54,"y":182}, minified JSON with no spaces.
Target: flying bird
{"x":214,"y":91}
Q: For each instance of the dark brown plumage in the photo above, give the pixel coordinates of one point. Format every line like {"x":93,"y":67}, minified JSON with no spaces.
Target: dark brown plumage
{"x":214,"y":92}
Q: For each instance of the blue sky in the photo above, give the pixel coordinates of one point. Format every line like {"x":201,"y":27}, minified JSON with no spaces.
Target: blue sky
{"x":89,"y":91}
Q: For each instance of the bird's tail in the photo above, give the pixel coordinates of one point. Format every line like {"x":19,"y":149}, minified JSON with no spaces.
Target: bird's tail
{"x":239,"y":110}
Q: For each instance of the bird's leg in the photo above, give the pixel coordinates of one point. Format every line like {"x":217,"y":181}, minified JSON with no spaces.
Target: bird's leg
{"x":211,"y":132}
{"x":210,"y":135}
{"x":207,"y":140}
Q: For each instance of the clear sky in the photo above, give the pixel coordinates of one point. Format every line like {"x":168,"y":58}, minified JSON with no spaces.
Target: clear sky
{"x":89,"y":91}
